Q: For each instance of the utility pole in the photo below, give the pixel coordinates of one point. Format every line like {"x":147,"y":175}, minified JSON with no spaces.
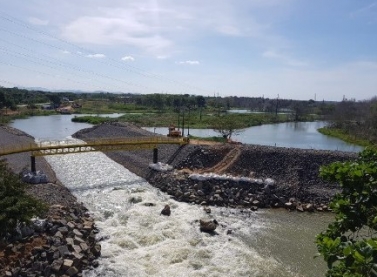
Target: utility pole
{"x":183,"y":123}
{"x":188,"y":124}
{"x":179,"y":112}
{"x":277,"y":104}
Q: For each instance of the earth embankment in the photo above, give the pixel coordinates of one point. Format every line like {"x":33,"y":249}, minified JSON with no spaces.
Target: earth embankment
{"x":295,"y":172}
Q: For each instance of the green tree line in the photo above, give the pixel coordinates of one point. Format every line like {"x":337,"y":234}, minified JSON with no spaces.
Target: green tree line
{"x":356,"y":120}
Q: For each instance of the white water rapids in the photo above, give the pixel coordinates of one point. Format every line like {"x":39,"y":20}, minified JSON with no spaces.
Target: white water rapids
{"x":138,"y":241}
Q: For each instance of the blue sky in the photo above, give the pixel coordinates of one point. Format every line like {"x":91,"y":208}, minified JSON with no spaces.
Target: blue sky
{"x":294,"y":49}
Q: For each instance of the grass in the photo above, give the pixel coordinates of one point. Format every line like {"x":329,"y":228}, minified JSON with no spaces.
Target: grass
{"x":340,"y":134}
{"x":92,"y":119}
{"x":103,"y":107}
{"x":5,"y":119}
{"x":216,"y":139}
{"x":196,"y":121}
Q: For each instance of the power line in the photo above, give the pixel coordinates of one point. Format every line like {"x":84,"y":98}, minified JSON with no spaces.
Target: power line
{"x":127,"y":67}
{"x":65,"y":65}
{"x":48,"y":74}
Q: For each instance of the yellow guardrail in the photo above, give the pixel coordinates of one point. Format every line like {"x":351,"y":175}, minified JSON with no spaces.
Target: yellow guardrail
{"x":105,"y":144}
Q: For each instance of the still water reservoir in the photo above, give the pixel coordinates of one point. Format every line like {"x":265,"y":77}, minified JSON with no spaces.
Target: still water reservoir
{"x":302,"y":135}
{"x":137,"y":241}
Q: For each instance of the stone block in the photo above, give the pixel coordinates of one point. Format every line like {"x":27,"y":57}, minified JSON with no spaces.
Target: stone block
{"x":77,"y":233}
{"x":63,"y":250}
{"x":67,"y":263}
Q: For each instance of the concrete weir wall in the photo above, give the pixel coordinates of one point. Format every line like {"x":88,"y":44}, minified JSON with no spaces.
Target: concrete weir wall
{"x":297,"y":184}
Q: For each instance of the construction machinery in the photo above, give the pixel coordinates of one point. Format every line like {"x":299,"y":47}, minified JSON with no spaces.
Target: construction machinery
{"x":173,"y":132}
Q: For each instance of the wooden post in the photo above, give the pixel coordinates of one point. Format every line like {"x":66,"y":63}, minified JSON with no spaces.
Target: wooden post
{"x":155,"y":155}
{"x":33,"y":167}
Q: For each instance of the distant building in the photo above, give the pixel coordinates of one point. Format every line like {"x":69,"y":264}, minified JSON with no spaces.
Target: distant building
{"x":47,"y":107}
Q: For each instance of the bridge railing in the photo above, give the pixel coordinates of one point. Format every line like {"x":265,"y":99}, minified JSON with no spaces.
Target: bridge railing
{"x":48,"y":145}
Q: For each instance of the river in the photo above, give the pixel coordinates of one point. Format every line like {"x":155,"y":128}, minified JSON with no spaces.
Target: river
{"x":137,"y":241}
{"x":291,"y":134}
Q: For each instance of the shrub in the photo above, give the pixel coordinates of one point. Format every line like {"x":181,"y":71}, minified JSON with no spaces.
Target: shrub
{"x":349,"y":245}
{"x":15,"y":205}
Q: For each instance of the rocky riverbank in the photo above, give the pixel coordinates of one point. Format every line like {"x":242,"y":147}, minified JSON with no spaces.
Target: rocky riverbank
{"x":62,"y":243}
{"x":260,"y":177}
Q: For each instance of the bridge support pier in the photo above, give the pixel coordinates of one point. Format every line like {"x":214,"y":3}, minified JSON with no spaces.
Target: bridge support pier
{"x":155,"y":155}
{"x":33,"y":167}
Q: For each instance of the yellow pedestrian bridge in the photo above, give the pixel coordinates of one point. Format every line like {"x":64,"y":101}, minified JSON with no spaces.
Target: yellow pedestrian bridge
{"x":105,"y":144}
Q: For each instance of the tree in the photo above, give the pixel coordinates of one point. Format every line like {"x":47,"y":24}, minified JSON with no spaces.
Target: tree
{"x":15,"y":205}
{"x":2,"y":100}
{"x":227,"y":127}
{"x":349,"y":245}
{"x":55,"y":99}
{"x":200,"y":101}
{"x":298,"y":110}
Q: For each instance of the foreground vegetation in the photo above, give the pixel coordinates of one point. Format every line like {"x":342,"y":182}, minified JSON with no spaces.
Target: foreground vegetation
{"x":349,"y":245}
{"x":16,"y":207}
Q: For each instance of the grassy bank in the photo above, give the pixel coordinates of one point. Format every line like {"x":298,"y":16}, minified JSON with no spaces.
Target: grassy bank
{"x":106,"y":107}
{"x":206,"y":121}
{"x":340,"y":134}
{"x":5,"y":119}
{"x":215,"y":139}
{"x":92,"y":119}
{"x":197,"y":121}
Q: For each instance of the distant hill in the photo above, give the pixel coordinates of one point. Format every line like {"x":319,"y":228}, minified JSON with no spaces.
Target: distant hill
{"x":72,"y":90}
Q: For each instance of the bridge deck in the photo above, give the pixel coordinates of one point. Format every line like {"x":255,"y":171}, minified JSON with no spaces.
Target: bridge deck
{"x":106,"y":144}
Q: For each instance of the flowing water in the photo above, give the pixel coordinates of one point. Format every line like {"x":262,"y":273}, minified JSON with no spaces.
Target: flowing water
{"x":137,"y":241}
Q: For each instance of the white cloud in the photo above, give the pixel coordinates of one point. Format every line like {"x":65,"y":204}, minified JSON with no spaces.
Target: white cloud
{"x":272,"y":54}
{"x":128,"y":58}
{"x":113,"y":30}
{"x":37,"y":21}
{"x":160,"y":26}
{"x":189,"y":62}
{"x":96,"y":56}
{"x":229,"y":30}
{"x":66,"y":52}
{"x":162,"y":57}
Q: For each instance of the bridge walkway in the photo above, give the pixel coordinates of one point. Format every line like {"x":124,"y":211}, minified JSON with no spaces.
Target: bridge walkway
{"x":106,"y":144}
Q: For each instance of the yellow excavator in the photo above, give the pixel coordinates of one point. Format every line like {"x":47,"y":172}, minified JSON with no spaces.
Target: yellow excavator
{"x":173,"y":132}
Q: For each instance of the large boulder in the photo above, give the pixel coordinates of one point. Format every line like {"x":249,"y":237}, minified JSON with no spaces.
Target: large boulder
{"x":208,"y":226}
{"x":166,"y":210}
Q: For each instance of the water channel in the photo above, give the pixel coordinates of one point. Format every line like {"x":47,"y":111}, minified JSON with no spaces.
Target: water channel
{"x":137,"y":241}
{"x":291,"y":134}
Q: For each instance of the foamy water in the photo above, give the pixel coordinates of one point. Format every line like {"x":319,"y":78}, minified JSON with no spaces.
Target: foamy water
{"x":138,"y":241}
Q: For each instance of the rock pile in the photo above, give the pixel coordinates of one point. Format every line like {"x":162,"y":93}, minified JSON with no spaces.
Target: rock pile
{"x":261,"y":177}
{"x":30,"y":177}
{"x":233,"y":194}
{"x":63,"y":244}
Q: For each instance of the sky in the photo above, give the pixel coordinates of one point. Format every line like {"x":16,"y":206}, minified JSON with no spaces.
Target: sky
{"x":288,"y":49}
